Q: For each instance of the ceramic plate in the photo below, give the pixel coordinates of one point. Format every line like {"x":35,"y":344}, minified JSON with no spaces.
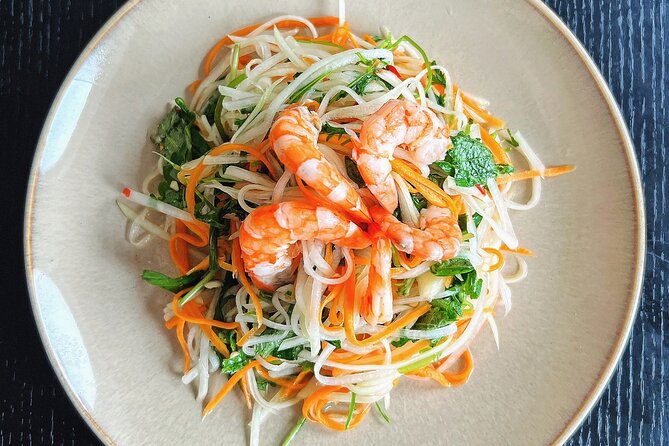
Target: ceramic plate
{"x":102,"y":327}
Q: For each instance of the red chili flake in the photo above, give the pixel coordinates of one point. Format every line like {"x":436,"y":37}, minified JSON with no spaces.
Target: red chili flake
{"x":393,"y":70}
{"x":481,"y":189}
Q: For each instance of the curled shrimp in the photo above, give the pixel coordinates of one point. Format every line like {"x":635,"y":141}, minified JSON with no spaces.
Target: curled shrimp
{"x":399,"y":129}
{"x":294,"y":137}
{"x":268,"y":235}
{"x":438,"y":238}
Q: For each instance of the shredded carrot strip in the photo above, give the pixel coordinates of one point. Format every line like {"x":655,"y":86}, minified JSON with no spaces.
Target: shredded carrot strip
{"x":317,"y":21}
{"x":362,"y":260}
{"x":182,"y":342}
{"x":463,"y":375}
{"x":234,"y":379}
{"x":204,"y":264}
{"x":247,"y":336}
{"x":397,"y":355}
{"x":387,"y":331}
{"x":245,"y":390}
{"x":330,"y":297}
{"x":369,"y":39}
{"x":500,"y":259}
{"x":498,"y":152}
{"x":192,"y":88}
{"x":279,"y":381}
{"x":345,"y":149}
{"x":195,"y":174}
{"x":178,"y":248}
{"x":199,"y":320}
{"x":548,"y":172}
{"x":490,"y":120}
{"x":255,"y":151}
{"x":427,"y":188}
{"x":171,"y":323}
{"x":521,"y":251}
{"x":411,"y":263}
{"x":287,"y":392}
{"x":190,"y":313}
{"x":315,"y":404}
{"x":238,"y":264}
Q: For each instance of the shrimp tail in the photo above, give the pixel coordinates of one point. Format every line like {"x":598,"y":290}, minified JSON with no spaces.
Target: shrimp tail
{"x":438,"y":238}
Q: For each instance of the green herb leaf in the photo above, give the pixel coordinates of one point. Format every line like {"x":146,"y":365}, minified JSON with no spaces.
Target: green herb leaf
{"x":331,"y":130}
{"x":262,"y":383}
{"x":419,"y":201}
{"x":235,"y":362}
{"x":504,"y":169}
{"x":290,"y":354}
{"x":266,"y":349}
{"x":438,"y":76}
{"x":178,"y":140}
{"x":353,"y":172}
{"x":451,"y":267}
{"x":471,"y":287}
{"x":170,"y":196}
{"x":336,"y":343}
{"x":406,"y":286}
{"x":472,"y":161}
{"x":400,"y":342}
{"x":209,"y":110}
{"x":173,"y":284}
{"x":443,"y":312}
{"x":462,"y":221}
{"x":511,"y":140}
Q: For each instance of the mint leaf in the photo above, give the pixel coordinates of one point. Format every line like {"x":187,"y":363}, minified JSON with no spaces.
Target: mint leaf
{"x":472,"y":161}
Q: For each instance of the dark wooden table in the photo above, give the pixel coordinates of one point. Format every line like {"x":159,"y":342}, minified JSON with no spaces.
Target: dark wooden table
{"x":39,"y":41}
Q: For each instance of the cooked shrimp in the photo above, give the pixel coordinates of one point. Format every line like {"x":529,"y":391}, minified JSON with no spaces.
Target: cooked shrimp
{"x":438,"y":238}
{"x":380,"y":285}
{"x":268,"y":235}
{"x":398,"y":129}
{"x":294,"y":137}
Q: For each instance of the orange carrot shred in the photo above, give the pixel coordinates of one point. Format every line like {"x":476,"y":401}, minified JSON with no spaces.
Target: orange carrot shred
{"x":232,"y":381}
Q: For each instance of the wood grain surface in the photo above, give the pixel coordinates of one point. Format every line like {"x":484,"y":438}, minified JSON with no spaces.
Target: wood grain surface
{"x":39,"y":41}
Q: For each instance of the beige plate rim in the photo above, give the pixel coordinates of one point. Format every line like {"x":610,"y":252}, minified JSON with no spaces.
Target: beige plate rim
{"x":547,"y":13}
